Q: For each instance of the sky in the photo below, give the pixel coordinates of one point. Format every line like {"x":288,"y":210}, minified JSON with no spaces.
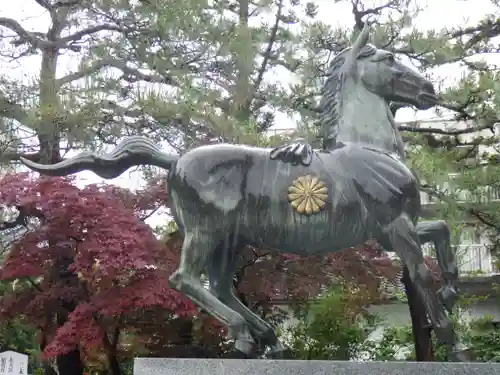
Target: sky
{"x":437,"y":14}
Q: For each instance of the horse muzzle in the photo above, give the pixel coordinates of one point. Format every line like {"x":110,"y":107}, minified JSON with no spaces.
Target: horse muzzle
{"x":426,"y":100}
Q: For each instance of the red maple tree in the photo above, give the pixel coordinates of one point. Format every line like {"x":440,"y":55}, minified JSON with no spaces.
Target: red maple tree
{"x":100,"y":230}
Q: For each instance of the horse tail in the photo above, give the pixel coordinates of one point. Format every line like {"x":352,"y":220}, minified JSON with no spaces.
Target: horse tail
{"x":130,"y":152}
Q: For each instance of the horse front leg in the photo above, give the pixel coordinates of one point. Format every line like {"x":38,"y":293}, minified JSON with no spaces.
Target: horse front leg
{"x":401,"y":237}
{"x":439,"y":234}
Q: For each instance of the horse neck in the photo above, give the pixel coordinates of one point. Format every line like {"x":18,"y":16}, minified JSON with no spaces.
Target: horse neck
{"x":365,"y":119}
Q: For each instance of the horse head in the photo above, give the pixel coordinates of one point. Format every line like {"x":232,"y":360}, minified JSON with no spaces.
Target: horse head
{"x":360,"y":83}
{"x":385,"y":75}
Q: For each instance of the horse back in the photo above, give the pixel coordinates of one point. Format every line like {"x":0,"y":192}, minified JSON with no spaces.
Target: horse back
{"x":228,"y":176}
{"x":228,"y":186}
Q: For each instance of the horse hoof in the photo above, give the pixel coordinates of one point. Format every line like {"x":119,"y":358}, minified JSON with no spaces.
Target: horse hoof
{"x":244,"y":346}
{"x":448,"y":297}
{"x":235,"y":354}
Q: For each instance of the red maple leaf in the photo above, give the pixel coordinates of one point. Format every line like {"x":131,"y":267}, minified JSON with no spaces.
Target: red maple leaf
{"x":121,"y":266}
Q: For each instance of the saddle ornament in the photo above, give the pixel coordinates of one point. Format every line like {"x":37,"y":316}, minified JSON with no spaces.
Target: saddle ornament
{"x":308,"y":195}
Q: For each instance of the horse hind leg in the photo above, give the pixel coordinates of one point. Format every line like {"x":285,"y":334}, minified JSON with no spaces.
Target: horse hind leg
{"x":401,"y":237}
{"x":197,"y":251}
{"x":439,"y":234}
{"x":221,"y":269}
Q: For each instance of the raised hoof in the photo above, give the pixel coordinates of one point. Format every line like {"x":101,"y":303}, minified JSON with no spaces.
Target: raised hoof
{"x":448,"y":297}
{"x":244,"y":346}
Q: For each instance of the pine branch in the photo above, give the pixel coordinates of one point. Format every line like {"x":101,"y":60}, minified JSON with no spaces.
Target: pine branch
{"x":39,"y":40}
{"x":418,"y":129}
{"x":269,"y":48}
{"x":11,"y":110}
{"x":130,"y":74}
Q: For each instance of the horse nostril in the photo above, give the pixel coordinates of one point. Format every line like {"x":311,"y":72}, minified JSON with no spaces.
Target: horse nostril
{"x":428,"y":87}
{"x":398,"y":73}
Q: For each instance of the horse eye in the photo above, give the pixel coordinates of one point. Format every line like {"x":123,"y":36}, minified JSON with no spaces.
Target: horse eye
{"x":391,"y":59}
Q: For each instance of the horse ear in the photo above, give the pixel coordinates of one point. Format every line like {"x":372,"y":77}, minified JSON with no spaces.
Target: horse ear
{"x":361,"y":40}
{"x":356,"y":48}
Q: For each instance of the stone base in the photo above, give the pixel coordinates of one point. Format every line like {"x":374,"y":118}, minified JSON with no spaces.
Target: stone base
{"x":178,"y":366}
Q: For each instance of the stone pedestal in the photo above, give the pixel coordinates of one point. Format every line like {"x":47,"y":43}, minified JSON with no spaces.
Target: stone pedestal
{"x":177,"y":366}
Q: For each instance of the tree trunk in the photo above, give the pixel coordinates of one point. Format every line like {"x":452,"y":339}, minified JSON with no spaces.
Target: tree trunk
{"x":420,"y":325}
{"x":114,"y":366}
{"x":49,"y":138}
{"x":69,"y":363}
{"x":47,"y":368}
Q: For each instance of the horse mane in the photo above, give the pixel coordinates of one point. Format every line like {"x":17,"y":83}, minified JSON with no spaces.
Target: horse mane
{"x":329,"y":105}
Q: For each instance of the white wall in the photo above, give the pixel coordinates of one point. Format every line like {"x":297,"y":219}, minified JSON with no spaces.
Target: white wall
{"x":397,"y":314}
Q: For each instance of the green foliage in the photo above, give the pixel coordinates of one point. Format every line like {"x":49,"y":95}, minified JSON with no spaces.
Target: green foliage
{"x":397,"y":343}
{"x":484,"y":338}
{"x":335,"y":327}
{"x":479,"y":334}
{"x":18,"y":334}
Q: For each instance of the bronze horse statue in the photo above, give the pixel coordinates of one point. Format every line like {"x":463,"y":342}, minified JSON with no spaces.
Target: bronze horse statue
{"x":224,"y":197}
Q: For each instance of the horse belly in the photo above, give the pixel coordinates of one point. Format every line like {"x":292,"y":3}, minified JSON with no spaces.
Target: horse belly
{"x":319,"y":233}
{"x":273,"y":222}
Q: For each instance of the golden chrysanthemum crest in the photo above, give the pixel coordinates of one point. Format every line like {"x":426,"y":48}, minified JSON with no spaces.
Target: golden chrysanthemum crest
{"x":308,"y":195}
